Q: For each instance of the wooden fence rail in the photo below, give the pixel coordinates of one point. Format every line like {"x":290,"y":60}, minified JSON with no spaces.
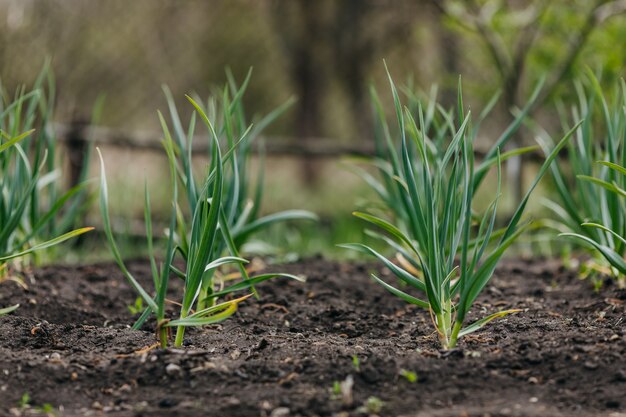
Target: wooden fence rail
{"x":318,"y":147}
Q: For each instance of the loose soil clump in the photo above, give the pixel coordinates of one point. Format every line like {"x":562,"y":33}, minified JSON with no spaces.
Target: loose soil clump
{"x":338,"y":345}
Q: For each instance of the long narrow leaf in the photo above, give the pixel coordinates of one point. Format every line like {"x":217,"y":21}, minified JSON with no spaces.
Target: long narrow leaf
{"x":401,"y":294}
{"x":478,"y":324}
{"x":7,"y":310}
{"x":104,"y":208}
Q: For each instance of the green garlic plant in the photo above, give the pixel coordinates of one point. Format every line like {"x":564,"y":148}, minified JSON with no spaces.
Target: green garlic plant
{"x":33,"y":204}
{"x":438,"y":127}
{"x":449,"y":254}
{"x":51,"y":210}
{"x":591,"y":209}
{"x":204,"y":243}
{"x":242,"y":197}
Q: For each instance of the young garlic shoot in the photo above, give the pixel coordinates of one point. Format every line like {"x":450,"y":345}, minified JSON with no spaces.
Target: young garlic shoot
{"x":454,"y":252}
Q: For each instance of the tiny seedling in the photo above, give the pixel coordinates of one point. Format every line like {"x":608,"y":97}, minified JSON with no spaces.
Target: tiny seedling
{"x":448,"y":253}
{"x":8,"y":310}
{"x":44,"y":409}
{"x":137,"y":307}
{"x":24,"y":401}
{"x":410,"y":376}
{"x":373,"y":405}
{"x":356,"y":363}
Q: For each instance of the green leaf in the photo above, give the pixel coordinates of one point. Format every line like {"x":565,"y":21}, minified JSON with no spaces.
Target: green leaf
{"x":210,"y":315}
{"x":205,"y":320}
{"x":13,"y":141}
{"x":487,"y":164}
{"x":546,"y":165}
{"x":271,"y":219}
{"x":225,"y":261}
{"x":7,"y":310}
{"x":482,"y":276}
{"x":230,"y":243}
{"x":609,"y":254}
{"x":404,"y":296}
{"x":604,"y":184}
{"x":49,"y":243}
{"x":482,"y":322}
{"x":614,"y":166}
{"x":606,"y":229}
{"x":47,"y":217}
{"x":388,"y":227}
{"x":396,"y":270}
{"x":252,"y":281}
{"x":205,"y":221}
{"x":106,"y":219}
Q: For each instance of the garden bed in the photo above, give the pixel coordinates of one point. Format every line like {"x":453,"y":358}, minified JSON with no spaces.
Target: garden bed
{"x":69,"y":346}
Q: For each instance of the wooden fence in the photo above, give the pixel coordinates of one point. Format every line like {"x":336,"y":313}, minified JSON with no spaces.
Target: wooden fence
{"x":316,"y":147}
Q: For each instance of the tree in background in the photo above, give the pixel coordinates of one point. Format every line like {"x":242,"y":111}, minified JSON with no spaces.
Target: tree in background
{"x":329,"y":43}
{"x":525,"y":40}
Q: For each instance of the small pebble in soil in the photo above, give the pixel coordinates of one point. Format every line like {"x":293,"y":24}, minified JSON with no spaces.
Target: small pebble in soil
{"x":280,"y":412}
{"x":124,"y":388}
{"x":232,"y":401}
{"x":173,"y":369}
{"x":56,"y":356}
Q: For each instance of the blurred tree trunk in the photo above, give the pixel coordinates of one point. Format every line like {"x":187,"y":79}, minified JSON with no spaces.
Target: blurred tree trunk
{"x":77,"y":145}
{"x":301,"y":29}
{"x":338,"y":40}
{"x":354,"y":52}
{"x":308,"y":73}
{"x":509,"y":58}
{"x":362,"y":32}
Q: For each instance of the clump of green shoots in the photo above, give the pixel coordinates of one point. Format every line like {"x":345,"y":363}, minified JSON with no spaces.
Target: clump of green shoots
{"x":241,"y":197}
{"x":52,"y":209}
{"x":437,"y":125}
{"x":204,"y":243}
{"x":591,"y":209}
{"x":31,"y":203}
{"x":448,"y":252}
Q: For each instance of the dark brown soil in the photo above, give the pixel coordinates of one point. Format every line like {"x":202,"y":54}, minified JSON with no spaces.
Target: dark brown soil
{"x":69,"y":346}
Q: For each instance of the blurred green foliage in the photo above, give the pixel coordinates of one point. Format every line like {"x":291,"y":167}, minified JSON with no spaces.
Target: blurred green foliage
{"x":326,"y":52}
